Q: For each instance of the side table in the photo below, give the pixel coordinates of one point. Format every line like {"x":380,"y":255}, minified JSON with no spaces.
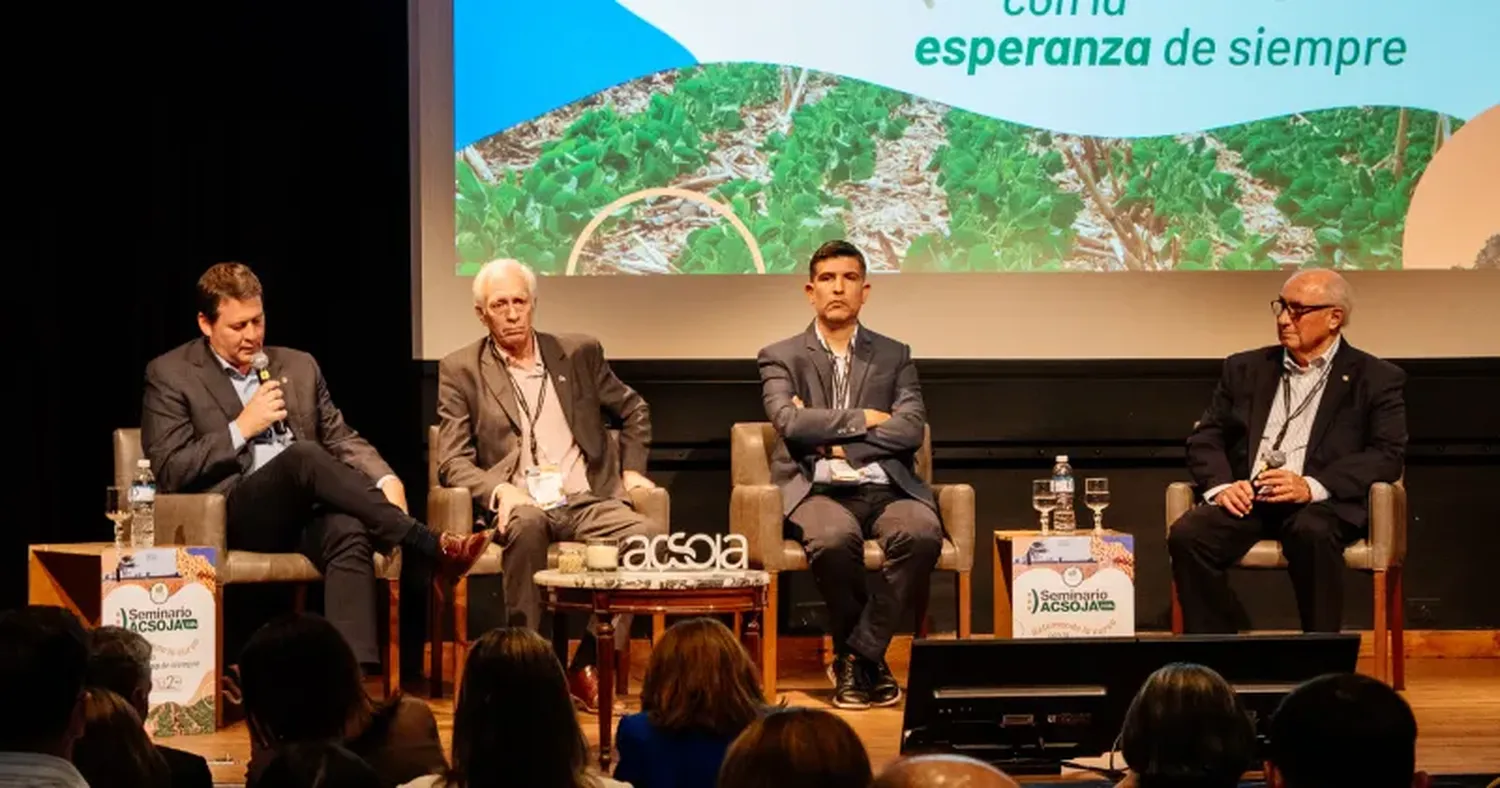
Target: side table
{"x":607,"y":594}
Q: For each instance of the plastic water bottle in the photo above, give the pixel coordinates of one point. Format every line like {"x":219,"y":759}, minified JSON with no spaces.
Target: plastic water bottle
{"x":143,"y":506}
{"x":1062,"y":486}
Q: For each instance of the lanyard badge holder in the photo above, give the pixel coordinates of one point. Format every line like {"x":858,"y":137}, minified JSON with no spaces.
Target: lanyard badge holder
{"x":839,"y":470}
{"x":544,"y":481}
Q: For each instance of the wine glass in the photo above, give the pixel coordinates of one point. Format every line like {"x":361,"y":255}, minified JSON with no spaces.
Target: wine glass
{"x":1096,"y":497}
{"x":117,"y":509}
{"x":1044,"y":500}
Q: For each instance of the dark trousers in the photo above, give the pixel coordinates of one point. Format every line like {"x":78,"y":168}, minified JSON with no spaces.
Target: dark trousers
{"x":530,"y":530}
{"x":832,"y":523}
{"x":1207,"y":540}
{"x":306,"y":500}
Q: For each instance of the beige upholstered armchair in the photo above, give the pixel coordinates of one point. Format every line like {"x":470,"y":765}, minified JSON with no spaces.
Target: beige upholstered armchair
{"x":1382,"y":554}
{"x":199,"y":520}
{"x":451,"y":509}
{"x":755,"y":513}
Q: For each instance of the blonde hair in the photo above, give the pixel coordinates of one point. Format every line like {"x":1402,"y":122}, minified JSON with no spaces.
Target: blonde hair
{"x":496,"y":269}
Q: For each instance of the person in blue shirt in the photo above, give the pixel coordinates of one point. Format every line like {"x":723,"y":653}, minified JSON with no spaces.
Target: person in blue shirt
{"x":701,"y":691}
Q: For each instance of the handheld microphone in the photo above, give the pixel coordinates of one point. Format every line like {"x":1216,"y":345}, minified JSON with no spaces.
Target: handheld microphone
{"x":261,"y":363}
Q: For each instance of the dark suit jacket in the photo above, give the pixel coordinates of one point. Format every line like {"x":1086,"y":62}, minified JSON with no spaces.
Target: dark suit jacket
{"x":188,"y":770}
{"x":190,"y":401}
{"x":882,"y":377}
{"x":1358,"y":434}
{"x":479,"y":430}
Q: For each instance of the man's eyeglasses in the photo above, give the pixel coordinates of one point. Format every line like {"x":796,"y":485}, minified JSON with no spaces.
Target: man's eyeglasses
{"x":1298,"y":311}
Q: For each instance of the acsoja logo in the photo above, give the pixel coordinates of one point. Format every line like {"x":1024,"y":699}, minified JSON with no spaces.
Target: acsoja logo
{"x":684,"y":551}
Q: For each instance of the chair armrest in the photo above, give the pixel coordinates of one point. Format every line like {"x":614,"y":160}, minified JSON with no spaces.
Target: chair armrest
{"x":956,"y":507}
{"x":1179,"y":502}
{"x":195,"y":519}
{"x":1387,"y":508}
{"x":655,"y":504}
{"x":755,"y":513}
{"x":450,"y":510}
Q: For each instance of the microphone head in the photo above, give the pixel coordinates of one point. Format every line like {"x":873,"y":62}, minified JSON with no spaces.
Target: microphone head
{"x":260,"y":361}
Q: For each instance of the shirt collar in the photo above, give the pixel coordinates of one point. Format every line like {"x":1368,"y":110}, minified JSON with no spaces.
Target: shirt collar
{"x":510,"y":362}
{"x":854,"y":337}
{"x":1317,"y":363}
{"x":228,"y":367}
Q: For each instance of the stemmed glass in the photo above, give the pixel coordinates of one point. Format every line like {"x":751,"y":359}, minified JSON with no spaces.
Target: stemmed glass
{"x":117,"y":509}
{"x":1044,"y":500}
{"x":1096,"y":497}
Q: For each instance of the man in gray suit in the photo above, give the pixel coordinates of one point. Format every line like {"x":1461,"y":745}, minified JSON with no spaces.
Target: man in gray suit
{"x":294,"y":474}
{"x":848,"y":407}
{"x":522,"y":425}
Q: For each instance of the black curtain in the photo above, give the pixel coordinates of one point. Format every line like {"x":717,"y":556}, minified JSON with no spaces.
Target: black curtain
{"x":156,"y":140}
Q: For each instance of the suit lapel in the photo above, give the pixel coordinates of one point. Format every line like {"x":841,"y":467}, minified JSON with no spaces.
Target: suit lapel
{"x":859,"y":366}
{"x":560,"y":370}
{"x":1340,"y":378}
{"x":498,"y":383}
{"x":824,"y":366}
{"x":216,"y":379}
{"x":277,"y":371}
{"x":1260,"y":406}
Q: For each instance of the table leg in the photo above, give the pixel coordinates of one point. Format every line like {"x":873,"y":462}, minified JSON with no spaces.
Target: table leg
{"x":606,"y":639}
{"x":750,"y":638}
{"x":560,"y":637}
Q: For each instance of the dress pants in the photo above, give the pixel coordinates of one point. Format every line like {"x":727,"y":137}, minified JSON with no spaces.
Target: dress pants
{"x":307,"y":500}
{"x":832,"y":523}
{"x":1208,"y":540}
{"x":528,"y":532}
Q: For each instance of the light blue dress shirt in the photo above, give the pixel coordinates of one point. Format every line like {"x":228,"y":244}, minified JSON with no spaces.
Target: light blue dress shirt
{"x":870,"y":473}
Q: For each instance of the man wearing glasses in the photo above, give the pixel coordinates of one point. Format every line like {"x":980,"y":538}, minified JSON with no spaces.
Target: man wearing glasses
{"x":1287,"y":450}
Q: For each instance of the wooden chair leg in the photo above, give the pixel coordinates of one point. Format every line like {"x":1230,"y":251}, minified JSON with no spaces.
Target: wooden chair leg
{"x":1382,"y":634}
{"x":437,"y":621}
{"x":965,"y":605}
{"x":658,"y":627}
{"x":392,"y":678}
{"x":922,"y":593}
{"x":460,"y":653}
{"x":1176,"y":612}
{"x":1397,"y":608}
{"x":768,"y":638}
{"x":299,"y":598}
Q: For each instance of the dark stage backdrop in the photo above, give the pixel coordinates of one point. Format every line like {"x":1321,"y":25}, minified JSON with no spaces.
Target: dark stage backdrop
{"x":157,"y":140}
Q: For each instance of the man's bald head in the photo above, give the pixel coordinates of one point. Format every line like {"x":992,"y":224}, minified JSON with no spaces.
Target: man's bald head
{"x":943,"y":771}
{"x":1321,"y":285}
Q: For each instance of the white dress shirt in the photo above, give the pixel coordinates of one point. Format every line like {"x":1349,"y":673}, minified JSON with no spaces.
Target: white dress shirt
{"x":36,"y":770}
{"x":1305,"y":383}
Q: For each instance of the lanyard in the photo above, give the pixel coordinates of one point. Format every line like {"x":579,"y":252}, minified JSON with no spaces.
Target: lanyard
{"x":541,"y":399}
{"x":840,"y":380}
{"x":1286,"y":402}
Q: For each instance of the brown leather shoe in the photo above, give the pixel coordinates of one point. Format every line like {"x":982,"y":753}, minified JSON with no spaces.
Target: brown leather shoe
{"x":458,"y":554}
{"x":583,"y":685}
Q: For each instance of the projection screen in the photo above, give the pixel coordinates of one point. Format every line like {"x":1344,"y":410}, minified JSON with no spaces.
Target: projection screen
{"x":1027,"y":178}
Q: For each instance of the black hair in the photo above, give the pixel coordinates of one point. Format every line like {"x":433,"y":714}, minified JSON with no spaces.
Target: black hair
{"x":832,"y":249}
{"x":43,"y":659}
{"x":1344,"y":729}
{"x":1186,"y":729}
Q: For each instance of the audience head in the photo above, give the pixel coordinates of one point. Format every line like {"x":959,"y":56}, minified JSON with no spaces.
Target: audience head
{"x":114,"y":751}
{"x":796,"y":748}
{"x":1314,"y":307}
{"x":315,"y":765}
{"x":1344,"y":729}
{"x":514,"y":722}
{"x":943,"y":771}
{"x":301,"y":682}
{"x":230,"y":312}
{"x":120,"y":661}
{"x":1186,"y":729}
{"x":701,"y":679}
{"x":836,"y":284}
{"x":43,"y":658}
{"x":504,"y":300}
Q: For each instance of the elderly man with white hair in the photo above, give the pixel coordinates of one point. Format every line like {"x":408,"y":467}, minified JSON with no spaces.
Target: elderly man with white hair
{"x":1288,"y":448}
{"x":524,"y":419}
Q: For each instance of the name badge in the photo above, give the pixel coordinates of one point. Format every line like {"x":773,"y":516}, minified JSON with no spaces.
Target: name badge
{"x":545,"y":485}
{"x":841,"y":472}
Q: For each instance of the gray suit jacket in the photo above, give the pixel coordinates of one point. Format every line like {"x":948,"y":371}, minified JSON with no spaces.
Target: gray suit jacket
{"x":881,"y":377}
{"x":189,"y":403}
{"x":479,"y":423}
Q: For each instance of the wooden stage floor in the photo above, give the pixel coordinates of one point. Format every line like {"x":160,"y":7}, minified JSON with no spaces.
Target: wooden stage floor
{"x":1457,"y":703}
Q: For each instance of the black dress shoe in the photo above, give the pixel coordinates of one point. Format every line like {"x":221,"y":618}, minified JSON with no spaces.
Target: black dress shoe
{"x":849,"y":688}
{"x":882,"y":687}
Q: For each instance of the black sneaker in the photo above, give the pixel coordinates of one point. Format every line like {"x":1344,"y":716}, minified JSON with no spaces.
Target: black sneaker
{"x":849,"y":688}
{"x":882,"y":686}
